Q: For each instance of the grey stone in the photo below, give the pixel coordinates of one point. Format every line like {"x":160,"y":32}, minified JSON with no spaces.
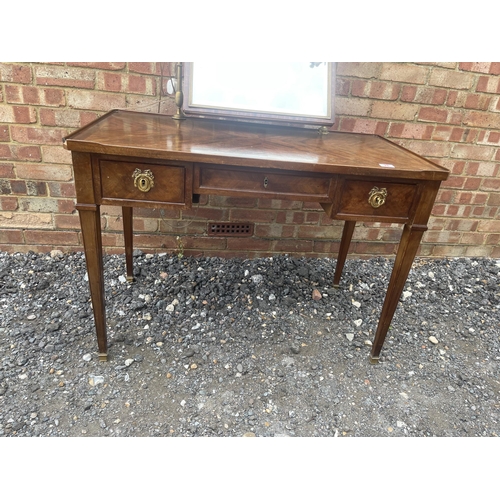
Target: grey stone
{"x":307,"y":391}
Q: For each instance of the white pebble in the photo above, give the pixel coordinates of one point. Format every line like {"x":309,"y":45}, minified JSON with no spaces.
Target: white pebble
{"x":128,"y":362}
{"x":350,"y":336}
{"x":87,"y":357}
{"x":96,"y":380}
{"x":433,"y":339}
{"x":356,"y":304}
{"x":358,"y":322}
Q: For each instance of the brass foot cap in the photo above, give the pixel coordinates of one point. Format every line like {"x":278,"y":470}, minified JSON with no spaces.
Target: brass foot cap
{"x":374,"y":360}
{"x":336,"y":285}
{"x":130,"y":279}
{"x":103,"y":356}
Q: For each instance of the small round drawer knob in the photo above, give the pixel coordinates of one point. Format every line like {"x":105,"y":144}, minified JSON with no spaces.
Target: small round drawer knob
{"x":143,"y":181}
{"x":377,"y":197}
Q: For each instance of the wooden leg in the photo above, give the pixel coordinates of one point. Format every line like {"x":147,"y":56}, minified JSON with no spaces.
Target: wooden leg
{"x":90,"y":221}
{"x":344,"y":247}
{"x":408,"y":246}
{"x":128,"y":236}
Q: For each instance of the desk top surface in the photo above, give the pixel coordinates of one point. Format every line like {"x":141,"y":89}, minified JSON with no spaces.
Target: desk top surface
{"x":130,"y":133}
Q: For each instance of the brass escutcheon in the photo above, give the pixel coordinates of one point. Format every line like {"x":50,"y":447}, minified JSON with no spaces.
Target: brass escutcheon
{"x":377,"y":197}
{"x":143,"y":181}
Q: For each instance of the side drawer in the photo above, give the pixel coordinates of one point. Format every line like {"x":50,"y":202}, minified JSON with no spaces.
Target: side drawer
{"x":399,"y":200}
{"x":264,"y":183}
{"x":144,"y":182}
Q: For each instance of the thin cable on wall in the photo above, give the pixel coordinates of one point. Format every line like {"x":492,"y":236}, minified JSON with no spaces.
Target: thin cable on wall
{"x":170,"y":78}
{"x":165,"y":96}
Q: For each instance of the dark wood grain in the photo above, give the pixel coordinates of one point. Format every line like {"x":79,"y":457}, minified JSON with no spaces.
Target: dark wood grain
{"x":354,"y":195}
{"x":225,"y":143}
{"x":407,"y":249}
{"x":196,"y":157}
{"x":117,"y":182}
{"x":90,"y":221}
{"x":343,"y":250}
{"x":261,"y":183}
{"x":128,"y":236}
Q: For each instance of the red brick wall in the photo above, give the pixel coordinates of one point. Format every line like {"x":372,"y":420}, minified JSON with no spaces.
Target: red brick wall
{"x":447,"y":112}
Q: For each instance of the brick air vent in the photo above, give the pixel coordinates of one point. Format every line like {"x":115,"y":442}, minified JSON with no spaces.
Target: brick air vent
{"x":230,"y":229}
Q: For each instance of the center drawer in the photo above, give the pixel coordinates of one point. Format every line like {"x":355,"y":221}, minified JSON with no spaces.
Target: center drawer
{"x":263,"y":183}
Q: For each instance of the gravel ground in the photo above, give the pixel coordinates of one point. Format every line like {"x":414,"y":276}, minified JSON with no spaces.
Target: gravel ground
{"x":263,"y":347}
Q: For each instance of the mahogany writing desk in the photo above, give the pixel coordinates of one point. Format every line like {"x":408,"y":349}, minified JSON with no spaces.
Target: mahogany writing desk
{"x":148,"y":160}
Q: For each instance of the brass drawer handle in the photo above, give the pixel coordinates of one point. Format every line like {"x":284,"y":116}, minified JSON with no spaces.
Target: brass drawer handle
{"x":377,"y":197}
{"x":143,"y":181}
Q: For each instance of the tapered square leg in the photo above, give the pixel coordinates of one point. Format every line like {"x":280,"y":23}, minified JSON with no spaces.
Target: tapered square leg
{"x":128,"y":237}
{"x":344,"y":247}
{"x":90,"y":221}
{"x":408,"y":246}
